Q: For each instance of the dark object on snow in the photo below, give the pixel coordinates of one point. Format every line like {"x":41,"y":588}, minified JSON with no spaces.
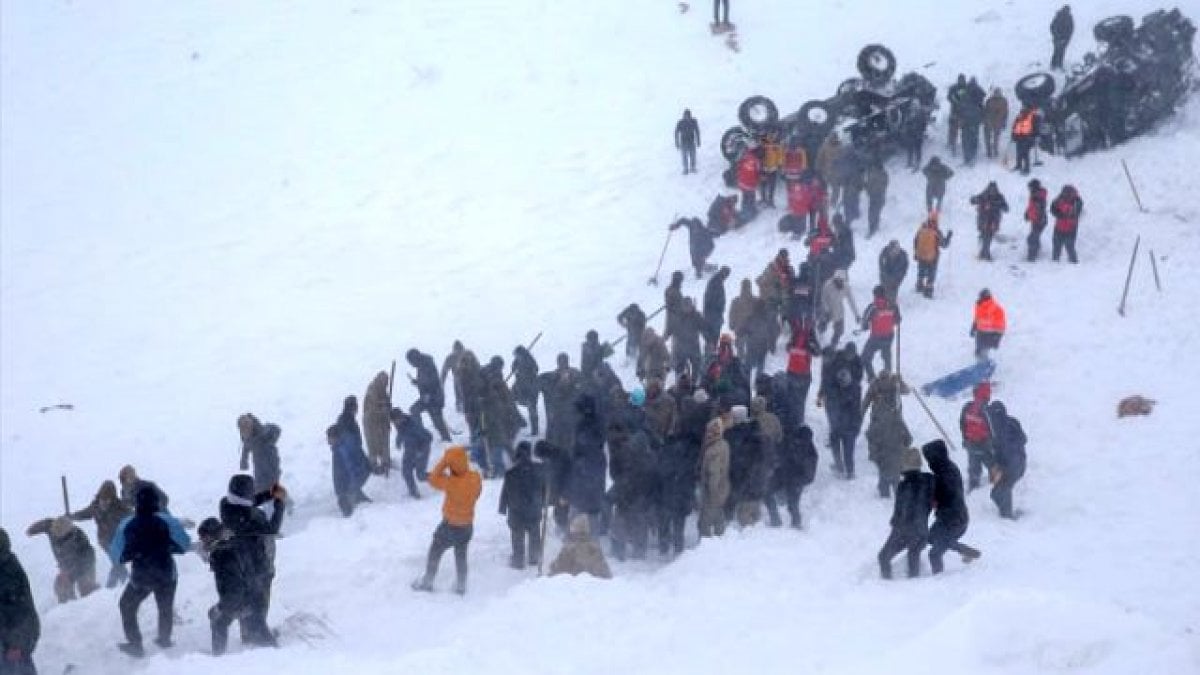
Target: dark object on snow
{"x":874,"y":110}
{"x":1140,"y":77}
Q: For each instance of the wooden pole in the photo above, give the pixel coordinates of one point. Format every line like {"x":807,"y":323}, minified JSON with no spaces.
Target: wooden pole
{"x":1129,"y":275}
{"x":528,"y":347}
{"x":66,"y":499}
{"x":622,"y":338}
{"x":942,"y":431}
{"x":1129,"y":177}
{"x":654,"y":279}
{"x":1154,"y":266}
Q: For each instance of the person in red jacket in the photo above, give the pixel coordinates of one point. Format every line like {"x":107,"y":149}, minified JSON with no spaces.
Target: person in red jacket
{"x":749,"y":169}
{"x":989,"y":324}
{"x":1035,"y":215}
{"x":1067,"y":208}
{"x":881,"y":318}
{"x":976,"y":429}
{"x":802,"y":347}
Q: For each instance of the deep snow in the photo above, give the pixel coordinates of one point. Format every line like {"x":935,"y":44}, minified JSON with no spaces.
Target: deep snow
{"x":209,"y":208}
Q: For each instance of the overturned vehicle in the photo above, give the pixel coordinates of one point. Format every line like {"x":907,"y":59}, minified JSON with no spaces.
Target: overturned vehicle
{"x":1139,"y":77}
{"x":875,"y":111}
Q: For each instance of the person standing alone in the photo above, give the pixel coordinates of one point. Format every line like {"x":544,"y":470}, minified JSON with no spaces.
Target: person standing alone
{"x":687,"y":139}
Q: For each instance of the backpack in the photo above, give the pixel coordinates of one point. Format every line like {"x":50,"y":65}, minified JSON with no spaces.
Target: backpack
{"x":927,"y":244}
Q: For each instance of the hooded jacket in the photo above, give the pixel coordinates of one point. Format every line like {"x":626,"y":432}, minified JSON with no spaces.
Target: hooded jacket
{"x":252,"y":531}
{"x":453,"y":475}
{"x":950,"y":505}
{"x":72,"y":550}
{"x":427,"y":381}
{"x":147,"y":540}
{"x":581,"y":554}
{"x":107,"y":510}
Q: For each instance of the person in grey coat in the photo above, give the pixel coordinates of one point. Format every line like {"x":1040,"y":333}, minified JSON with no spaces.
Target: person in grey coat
{"x":258,"y":446}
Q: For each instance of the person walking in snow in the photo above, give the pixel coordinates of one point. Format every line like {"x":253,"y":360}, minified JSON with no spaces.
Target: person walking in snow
{"x":880,"y":318}
{"x":1009,"y":455}
{"x":714,"y":307}
{"x":841,"y":395}
{"x":976,"y":426}
{"x":913,"y":138}
{"x":415,"y":443}
{"x":893,"y":267}
{"x":936,"y":176}
{"x":796,"y":468}
{"x":1061,"y":29}
{"x":687,"y":139}
{"x":1035,"y":215}
{"x":990,"y":207}
{"x":450,"y":366}
{"x":876,"y":185}
{"x":254,"y":535}
{"x":835,"y":295}
{"x":910,"y":516}
{"x":887,"y":434}
{"x":955,"y":95}
{"x":950,"y":514}
{"x":1067,"y":208}
{"x":995,"y":121}
{"x":19,"y":624}
{"x":462,"y":485}
{"x":232,"y":573}
{"x":350,"y":469}
{"x":521,"y":499}
{"x":927,"y":250}
{"x":107,"y":510}
{"x":988,"y":325}
{"x":147,"y":540}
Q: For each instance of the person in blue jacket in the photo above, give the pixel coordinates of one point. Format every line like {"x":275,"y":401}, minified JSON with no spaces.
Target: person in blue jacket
{"x":147,"y":540}
{"x":351,"y":468}
{"x":416,"y":441}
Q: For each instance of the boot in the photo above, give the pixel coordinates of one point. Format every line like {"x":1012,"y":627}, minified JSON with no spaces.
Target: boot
{"x":133,"y":649}
{"x":969,"y":555}
{"x":423,"y":584}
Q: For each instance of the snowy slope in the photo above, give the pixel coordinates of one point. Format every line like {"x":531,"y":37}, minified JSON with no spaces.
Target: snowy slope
{"x":208,"y":208}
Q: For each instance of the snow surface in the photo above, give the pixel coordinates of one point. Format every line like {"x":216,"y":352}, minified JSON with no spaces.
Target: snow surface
{"x":209,"y":208}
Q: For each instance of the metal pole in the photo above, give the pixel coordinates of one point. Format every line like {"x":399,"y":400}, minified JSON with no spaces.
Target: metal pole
{"x":1129,"y":275}
{"x":1154,"y":266}
{"x":1129,"y":177}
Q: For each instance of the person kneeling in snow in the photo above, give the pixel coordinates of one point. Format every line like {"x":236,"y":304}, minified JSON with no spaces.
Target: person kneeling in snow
{"x":581,"y":553}
{"x":462,"y":485}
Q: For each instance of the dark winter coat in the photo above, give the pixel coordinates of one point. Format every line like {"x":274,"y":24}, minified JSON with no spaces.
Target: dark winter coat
{"x":936,"y":175}
{"x":233,"y":574}
{"x":412,"y":435}
{"x":797,"y":460}
{"x":841,"y":391}
{"x":19,"y":625}
{"x":261,"y":448}
{"x":914,"y":501}
{"x":147,"y":540}
{"x":253,"y":533}
{"x":990,"y":205}
{"x":700,"y":240}
{"x":523,"y":493}
{"x":687,"y":133}
{"x":654,"y":359}
{"x":685,"y":338}
{"x":427,"y":382}
{"x":633,"y":319}
{"x":1008,"y":443}
{"x":893,"y":265}
{"x":73,"y":552}
{"x":950,"y":504}
{"x":525,"y":375}
{"x":661,"y":417}
{"x":746,"y":474}
{"x":877,"y":181}
{"x":589,"y":465}
{"x":714,"y":299}
{"x":633,"y":467}
{"x":129,"y":493}
{"x":560,"y":388}
{"x":556,"y":465}
{"x":680,"y":469}
{"x":501,"y":420}
{"x":107,"y":510}
{"x":1063,"y":25}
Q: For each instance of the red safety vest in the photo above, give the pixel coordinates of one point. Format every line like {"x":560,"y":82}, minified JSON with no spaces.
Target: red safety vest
{"x":883,"y":321}
{"x":748,"y":172}
{"x":799,"y":358}
{"x":976,"y":429}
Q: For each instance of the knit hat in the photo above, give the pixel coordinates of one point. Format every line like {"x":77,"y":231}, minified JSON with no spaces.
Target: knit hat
{"x":910,"y":460}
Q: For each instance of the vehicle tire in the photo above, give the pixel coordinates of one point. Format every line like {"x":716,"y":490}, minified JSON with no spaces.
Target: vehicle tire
{"x":1035,"y":88}
{"x":816,"y":114}
{"x":758,"y":113}
{"x":848,"y":87}
{"x":1114,"y":30}
{"x":876,"y":64}
{"x":733,"y":142}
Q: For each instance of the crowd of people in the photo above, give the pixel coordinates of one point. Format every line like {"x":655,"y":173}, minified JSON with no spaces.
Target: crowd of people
{"x":709,"y":429}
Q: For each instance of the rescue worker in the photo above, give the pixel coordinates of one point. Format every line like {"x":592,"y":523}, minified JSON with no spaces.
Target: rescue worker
{"x":772,"y":163}
{"x":700,"y":242}
{"x":976,"y":427}
{"x":19,"y":624}
{"x":989,"y":324}
{"x":633,"y":320}
{"x":1067,"y":208}
{"x":1025,"y":130}
{"x":887,"y":434}
{"x":749,"y":170}
{"x":880,"y":318}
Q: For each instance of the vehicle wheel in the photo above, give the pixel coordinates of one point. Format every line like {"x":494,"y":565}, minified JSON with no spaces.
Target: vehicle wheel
{"x":876,"y":64}
{"x":733,"y":142}
{"x":1114,"y":30}
{"x":757,"y":113}
{"x":1035,"y":88}
{"x":816,"y":114}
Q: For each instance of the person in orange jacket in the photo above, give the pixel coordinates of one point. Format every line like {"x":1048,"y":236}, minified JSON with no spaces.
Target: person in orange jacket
{"x":989,"y":324}
{"x":462,"y":485}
